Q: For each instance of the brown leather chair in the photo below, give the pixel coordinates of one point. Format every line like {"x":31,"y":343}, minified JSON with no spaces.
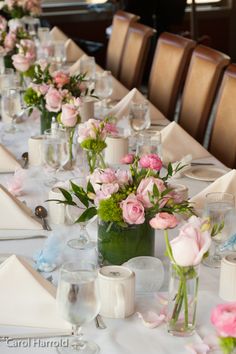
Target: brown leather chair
{"x":135,"y":54}
{"x":203,"y":77}
{"x":223,"y":136}
{"x":120,"y":25}
{"x":169,"y":67}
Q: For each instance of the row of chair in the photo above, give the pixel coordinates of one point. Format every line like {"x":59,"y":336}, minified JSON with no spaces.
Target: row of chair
{"x":182,"y":72}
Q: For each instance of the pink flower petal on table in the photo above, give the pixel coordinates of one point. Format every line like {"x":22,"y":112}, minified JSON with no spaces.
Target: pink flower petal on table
{"x":212,"y":341}
{"x":198,"y":348}
{"x":15,"y":184}
{"x":151,"y":319}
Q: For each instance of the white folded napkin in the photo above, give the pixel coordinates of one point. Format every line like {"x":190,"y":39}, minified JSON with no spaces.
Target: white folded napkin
{"x":122,"y":108}
{"x":75,"y":68}
{"x":73,"y":51}
{"x":8,"y":162}
{"x":58,"y":35}
{"x":26,"y":298}
{"x":15,"y":214}
{"x":177,"y":143}
{"x":225,"y":184}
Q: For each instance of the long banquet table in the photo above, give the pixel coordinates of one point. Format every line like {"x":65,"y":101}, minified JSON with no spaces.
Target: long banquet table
{"x":121,"y":336}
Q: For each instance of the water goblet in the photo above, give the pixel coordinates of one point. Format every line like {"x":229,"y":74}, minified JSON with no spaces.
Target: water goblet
{"x":60,"y":56}
{"x":104,"y":87}
{"x":139,"y":120}
{"x":88,"y":67}
{"x":149,"y":142}
{"x":12,"y":105}
{"x":220,"y":208}
{"x":78,"y":303}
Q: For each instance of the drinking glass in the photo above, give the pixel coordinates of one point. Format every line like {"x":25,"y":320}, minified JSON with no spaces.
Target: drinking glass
{"x":31,"y":24}
{"x":103,"y":86}
{"x":12,"y":105}
{"x":88,"y":67}
{"x":149,"y":142}
{"x":83,"y":240}
{"x":44,"y":34}
{"x":6,"y":80}
{"x":78,"y":303}
{"x":219,"y":207}
{"x":139,"y":120}
{"x":59,"y":53}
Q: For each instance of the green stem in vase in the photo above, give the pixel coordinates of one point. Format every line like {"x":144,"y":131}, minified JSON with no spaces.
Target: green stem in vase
{"x":185,"y":296}
{"x":71,"y":136}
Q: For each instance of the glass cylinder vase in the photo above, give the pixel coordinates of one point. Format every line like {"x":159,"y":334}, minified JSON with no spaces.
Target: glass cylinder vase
{"x":46,"y":120}
{"x":182,"y":299}
{"x":117,"y":244}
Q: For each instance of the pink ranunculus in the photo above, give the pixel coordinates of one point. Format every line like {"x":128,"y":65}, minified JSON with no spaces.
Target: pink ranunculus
{"x":192,"y":243}
{"x":123,"y":177}
{"x":111,"y":129}
{"x":151,"y":161}
{"x":145,"y":188}
{"x":61,"y":78}
{"x":223,"y":317}
{"x":10,"y":41}
{"x":164,"y":221}
{"x":128,"y":159}
{"x":132,"y":210}
{"x":53,"y":100}
{"x":69,"y":115}
{"x":3,"y":24}
{"x":108,"y":176}
{"x":21,"y":63}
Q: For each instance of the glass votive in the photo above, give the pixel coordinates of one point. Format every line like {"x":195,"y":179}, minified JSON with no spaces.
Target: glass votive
{"x":149,"y":142}
{"x":149,"y":273}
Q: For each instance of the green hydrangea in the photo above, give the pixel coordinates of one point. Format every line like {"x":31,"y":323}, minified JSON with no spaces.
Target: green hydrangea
{"x":110,"y":211}
{"x":94,"y":145}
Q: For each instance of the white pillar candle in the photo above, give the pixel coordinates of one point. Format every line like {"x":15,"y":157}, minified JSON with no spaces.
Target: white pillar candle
{"x":87,"y":109}
{"x":56,"y":211}
{"x":117,"y":147}
{"x":35,"y":150}
{"x":227,"y":289}
{"x":117,"y":291}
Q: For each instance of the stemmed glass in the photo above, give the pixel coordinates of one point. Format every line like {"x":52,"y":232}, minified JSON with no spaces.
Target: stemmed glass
{"x":83,"y":241}
{"x":104,"y":87}
{"x":88,"y":67}
{"x":139,"y":119}
{"x":78,"y":303}
{"x":60,"y":53}
{"x":12,"y":105}
{"x":219,"y":207}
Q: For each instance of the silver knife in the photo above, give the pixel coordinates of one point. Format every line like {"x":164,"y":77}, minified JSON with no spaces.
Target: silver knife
{"x":11,"y":238}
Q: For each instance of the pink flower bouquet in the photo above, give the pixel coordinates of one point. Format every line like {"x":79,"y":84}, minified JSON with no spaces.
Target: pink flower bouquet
{"x":223,"y":318}
{"x":21,"y":8}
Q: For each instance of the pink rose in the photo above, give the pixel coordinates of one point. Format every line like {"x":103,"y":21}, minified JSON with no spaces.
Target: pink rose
{"x":151,"y":161}
{"x":128,"y":159}
{"x":123,"y":177}
{"x":111,"y":129}
{"x":53,"y":100}
{"x":223,"y":317}
{"x":145,"y":188}
{"x":191,"y":244}
{"x":21,"y":63}
{"x":163,"y":221}
{"x":106,"y":192}
{"x":132,"y":210}
{"x":88,"y":130}
{"x":10,"y":41}
{"x":61,"y":78}
{"x":41,"y":89}
{"x":69,"y":115}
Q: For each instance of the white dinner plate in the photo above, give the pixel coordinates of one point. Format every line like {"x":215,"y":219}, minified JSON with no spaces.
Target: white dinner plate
{"x":205,"y":173}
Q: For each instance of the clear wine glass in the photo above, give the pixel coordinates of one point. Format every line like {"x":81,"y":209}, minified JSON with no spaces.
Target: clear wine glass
{"x":78,"y":303}
{"x":83,"y":241}
{"x":60,"y":56}
{"x":12,"y":106}
{"x":139,"y":120}
{"x":88,"y":67}
{"x":104,"y":87}
{"x":220,"y":208}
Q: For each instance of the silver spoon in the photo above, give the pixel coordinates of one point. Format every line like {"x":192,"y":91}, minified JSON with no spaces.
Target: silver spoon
{"x":42,"y":213}
{"x":25,"y":158}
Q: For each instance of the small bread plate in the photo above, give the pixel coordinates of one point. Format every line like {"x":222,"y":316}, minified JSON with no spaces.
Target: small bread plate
{"x":205,"y":173}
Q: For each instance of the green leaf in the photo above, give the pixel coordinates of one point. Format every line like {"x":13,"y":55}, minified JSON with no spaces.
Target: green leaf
{"x":170,"y":169}
{"x":90,"y":188}
{"x":87,"y":215}
{"x":155,"y":191}
{"x":80,"y":193}
{"x":67,"y":195}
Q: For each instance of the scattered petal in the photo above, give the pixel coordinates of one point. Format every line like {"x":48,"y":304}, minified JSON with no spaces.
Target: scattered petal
{"x":198,"y":348}
{"x":151,"y":319}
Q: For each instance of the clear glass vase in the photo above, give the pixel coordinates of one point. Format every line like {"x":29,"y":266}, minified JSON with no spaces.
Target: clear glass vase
{"x":46,"y":120}
{"x":182,"y":299}
{"x":117,"y":244}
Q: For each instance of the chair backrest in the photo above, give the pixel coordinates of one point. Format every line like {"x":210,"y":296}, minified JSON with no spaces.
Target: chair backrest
{"x":169,"y":67}
{"x":223,"y":136}
{"x":120,"y":25}
{"x":135,"y":54}
{"x":203,"y":77}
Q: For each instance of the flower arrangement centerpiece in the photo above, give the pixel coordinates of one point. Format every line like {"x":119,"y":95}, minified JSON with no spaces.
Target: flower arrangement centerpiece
{"x":185,"y":253}
{"x":16,"y":44}
{"x":21,"y":8}
{"x":91,"y":137}
{"x":223,"y":317}
{"x":125,"y":201}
